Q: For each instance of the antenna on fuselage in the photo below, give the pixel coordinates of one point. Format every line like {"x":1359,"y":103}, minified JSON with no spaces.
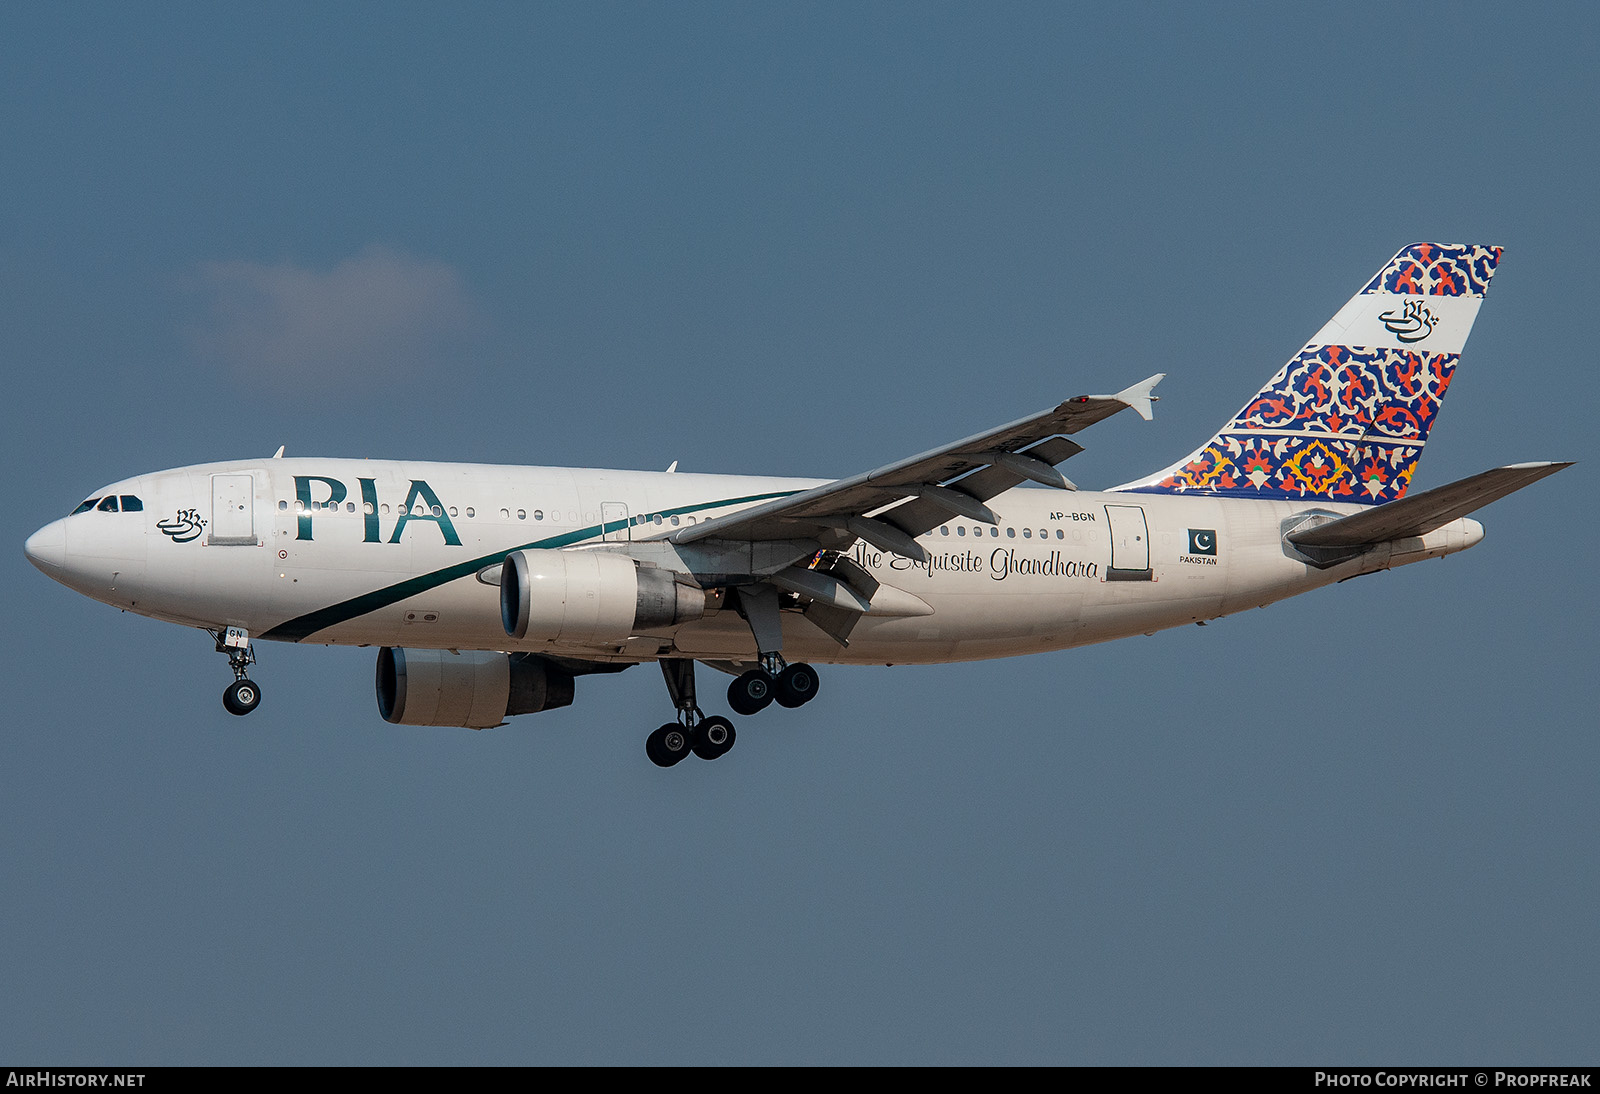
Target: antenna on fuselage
{"x":278,"y":455}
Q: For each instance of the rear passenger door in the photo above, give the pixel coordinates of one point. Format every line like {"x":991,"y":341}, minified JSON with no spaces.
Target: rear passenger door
{"x":1130,"y":544}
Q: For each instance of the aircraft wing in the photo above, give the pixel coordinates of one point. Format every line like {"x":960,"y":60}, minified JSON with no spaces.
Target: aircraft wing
{"x":1419,"y":514}
{"x":890,"y":506}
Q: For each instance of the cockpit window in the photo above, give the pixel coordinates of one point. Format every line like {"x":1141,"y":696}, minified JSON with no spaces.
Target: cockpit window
{"x":109,"y":505}
{"x":131,"y":504}
{"x":84,"y":508}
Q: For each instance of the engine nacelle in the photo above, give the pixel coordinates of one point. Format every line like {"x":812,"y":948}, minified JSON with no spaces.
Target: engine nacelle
{"x":472,"y":688}
{"x":590,"y":598}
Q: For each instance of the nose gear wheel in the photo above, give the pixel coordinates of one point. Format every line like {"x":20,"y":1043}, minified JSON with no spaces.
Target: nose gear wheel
{"x":243,"y":695}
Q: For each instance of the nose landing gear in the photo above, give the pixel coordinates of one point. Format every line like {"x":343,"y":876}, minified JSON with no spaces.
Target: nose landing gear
{"x":243,"y":695}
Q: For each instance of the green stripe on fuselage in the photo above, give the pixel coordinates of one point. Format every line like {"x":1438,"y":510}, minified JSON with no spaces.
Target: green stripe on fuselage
{"x":303,"y":627}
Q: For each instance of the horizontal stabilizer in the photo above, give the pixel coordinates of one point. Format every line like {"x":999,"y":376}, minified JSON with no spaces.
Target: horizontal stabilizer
{"x":1419,"y":514}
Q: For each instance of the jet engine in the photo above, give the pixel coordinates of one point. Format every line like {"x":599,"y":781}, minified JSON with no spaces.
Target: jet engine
{"x":591,"y":597}
{"x":473,"y":688}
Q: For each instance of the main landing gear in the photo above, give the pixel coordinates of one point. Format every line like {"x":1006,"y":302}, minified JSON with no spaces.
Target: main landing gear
{"x":751,"y":693}
{"x":243,"y":695}
{"x":710,"y":738}
{"x":707,"y":738}
{"x":791,"y":685}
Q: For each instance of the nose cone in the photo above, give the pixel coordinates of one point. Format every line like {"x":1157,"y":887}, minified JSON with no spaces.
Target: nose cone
{"x":47,"y":548}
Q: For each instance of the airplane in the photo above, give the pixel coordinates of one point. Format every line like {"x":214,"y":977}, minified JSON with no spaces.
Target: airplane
{"x":489,"y":589}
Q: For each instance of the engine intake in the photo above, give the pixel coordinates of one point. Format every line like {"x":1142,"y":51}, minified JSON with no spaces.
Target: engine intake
{"x":473,"y":688}
{"x":591,"y":597}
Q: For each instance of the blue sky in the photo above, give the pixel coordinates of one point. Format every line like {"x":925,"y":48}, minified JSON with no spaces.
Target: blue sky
{"x":808,"y":239}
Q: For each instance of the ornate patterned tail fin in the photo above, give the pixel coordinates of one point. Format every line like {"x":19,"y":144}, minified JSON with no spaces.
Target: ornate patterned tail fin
{"x":1346,"y":419}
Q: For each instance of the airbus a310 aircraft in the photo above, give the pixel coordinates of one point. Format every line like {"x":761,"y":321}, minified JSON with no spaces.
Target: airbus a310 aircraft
{"x":489,"y":589}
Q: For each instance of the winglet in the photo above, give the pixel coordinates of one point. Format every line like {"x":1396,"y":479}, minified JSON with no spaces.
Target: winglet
{"x":1138,"y":396}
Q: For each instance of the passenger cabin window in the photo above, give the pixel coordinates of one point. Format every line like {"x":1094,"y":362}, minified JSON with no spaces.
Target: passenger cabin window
{"x":109,"y":505}
{"x":84,"y":508}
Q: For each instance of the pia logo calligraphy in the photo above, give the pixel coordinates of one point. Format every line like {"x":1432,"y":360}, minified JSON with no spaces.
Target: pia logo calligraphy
{"x":182,"y":528}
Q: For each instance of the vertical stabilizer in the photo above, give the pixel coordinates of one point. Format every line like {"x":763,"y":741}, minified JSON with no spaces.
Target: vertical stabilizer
{"x":1347,"y":418}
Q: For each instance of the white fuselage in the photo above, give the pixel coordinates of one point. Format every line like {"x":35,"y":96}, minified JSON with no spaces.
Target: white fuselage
{"x":328,"y":551}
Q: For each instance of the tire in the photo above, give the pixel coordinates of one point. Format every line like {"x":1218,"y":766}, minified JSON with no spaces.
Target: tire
{"x":667,"y":745}
{"x":241,"y":697}
{"x":713,"y":737}
{"x":751,"y":693}
{"x":797,"y":685}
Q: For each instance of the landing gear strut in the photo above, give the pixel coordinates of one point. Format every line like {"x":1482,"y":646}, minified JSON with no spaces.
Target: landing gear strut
{"x":707,"y":738}
{"x":790,"y":685}
{"x":243,"y":695}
